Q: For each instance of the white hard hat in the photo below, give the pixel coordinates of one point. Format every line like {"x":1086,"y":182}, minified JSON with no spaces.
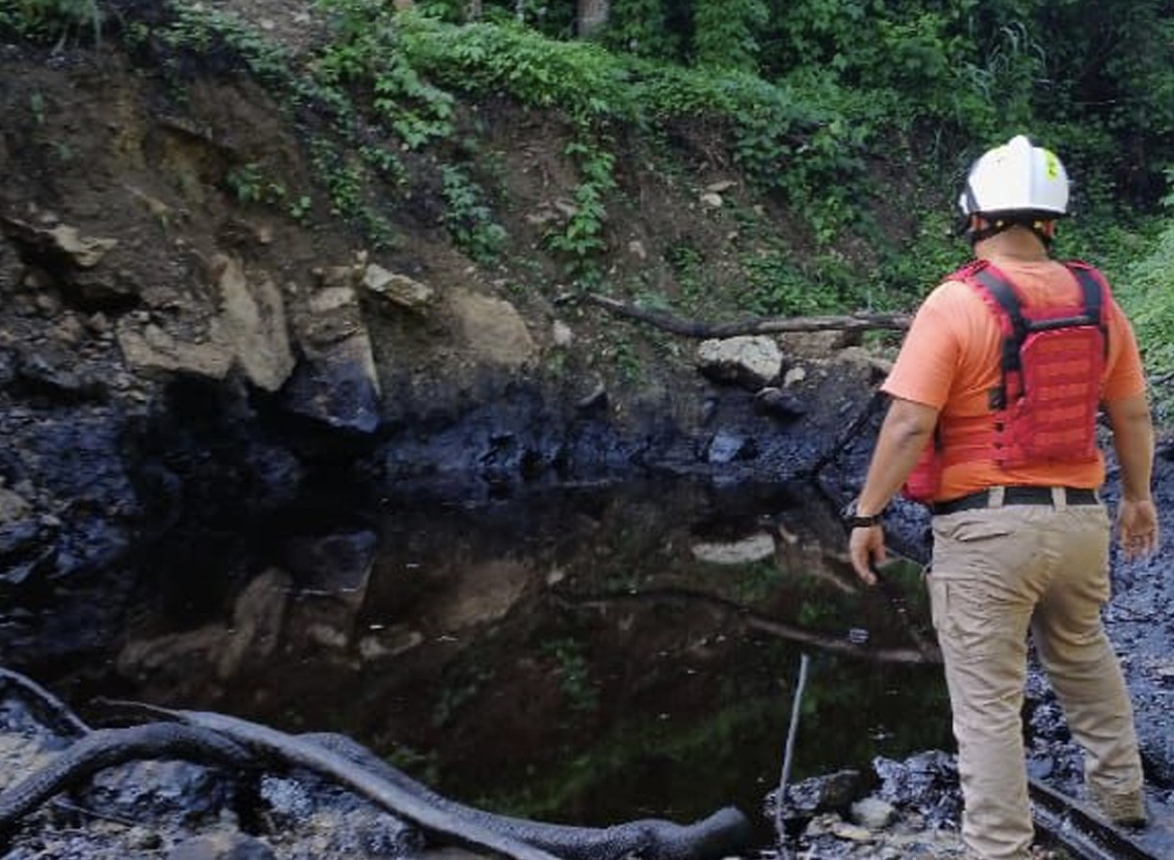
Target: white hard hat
{"x":1016,"y":177}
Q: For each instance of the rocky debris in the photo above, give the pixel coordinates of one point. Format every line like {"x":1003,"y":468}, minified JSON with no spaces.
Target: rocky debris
{"x":249,"y":331}
{"x":753,"y":361}
{"x":561,"y":334}
{"x":399,"y":290}
{"x":830,"y":837}
{"x":60,"y":244}
{"x":153,"y":793}
{"x":873,"y":813}
{"x":819,"y":345}
{"x":926,"y":783}
{"x":832,"y":817}
{"x":222,"y":846}
{"x":337,"y":386}
{"x":727,"y":446}
{"x":66,"y":465}
{"x":780,"y":404}
{"x":335,"y":382}
{"x":750,"y":548}
{"x":150,"y":347}
{"x":13,"y":506}
{"x":253,"y":324}
{"x":491,"y":330}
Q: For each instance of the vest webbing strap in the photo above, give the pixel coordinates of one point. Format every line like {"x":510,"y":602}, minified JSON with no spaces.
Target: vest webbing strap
{"x":1004,"y":294}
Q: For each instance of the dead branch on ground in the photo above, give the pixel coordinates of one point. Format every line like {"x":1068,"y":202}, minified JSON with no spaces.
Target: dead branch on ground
{"x":769,"y":325}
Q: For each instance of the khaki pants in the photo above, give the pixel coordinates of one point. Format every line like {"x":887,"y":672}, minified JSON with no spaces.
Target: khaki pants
{"x":996,"y":572}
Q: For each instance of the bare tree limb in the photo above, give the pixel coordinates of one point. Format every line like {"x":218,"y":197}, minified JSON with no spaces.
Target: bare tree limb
{"x":770,"y":325}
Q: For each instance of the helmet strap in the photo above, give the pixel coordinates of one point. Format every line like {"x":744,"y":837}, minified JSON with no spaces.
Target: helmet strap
{"x":1045,"y":231}
{"x":978,"y":228}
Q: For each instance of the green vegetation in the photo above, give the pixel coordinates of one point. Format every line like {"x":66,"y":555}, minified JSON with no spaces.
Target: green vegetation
{"x":58,"y":20}
{"x":1145,"y":296}
{"x":573,"y":670}
{"x":469,"y":221}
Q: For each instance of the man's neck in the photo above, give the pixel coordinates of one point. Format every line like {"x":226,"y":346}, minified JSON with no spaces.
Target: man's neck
{"x":1017,"y":244}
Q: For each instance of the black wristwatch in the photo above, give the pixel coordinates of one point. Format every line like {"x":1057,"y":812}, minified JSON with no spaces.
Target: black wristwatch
{"x":854,"y":520}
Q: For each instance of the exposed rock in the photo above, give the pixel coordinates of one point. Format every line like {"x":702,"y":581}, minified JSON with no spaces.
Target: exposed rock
{"x":817,"y":344}
{"x":332,"y":314}
{"x":877,"y":367}
{"x":927,"y":783}
{"x":25,"y":551}
{"x":53,"y":367}
{"x":779,"y":404}
{"x":13,"y":506}
{"x":253,"y":324}
{"x":222,"y":846}
{"x":330,"y":277}
{"x":596,"y":401}
{"x":852,"y":832}
{"x":561,"y":334}
{"x":61,"y":243}
{"x":873,"y":813}
{"x":794,"y":376}
{"x":749,"y":549}
{"x":86,"y":252}
{"x":833,"y":792}
{"x":250,"y":330}
{"x":156,"y":791}
{"x":492,"y":329}
{"x":336,"y":382}
{"x":752,"y":360}
{"x":338,"y":385}
{"x":727,"y":446}
{"x":150,"y":348}
{"x":398,"y":289}
{"x":712,"y":200}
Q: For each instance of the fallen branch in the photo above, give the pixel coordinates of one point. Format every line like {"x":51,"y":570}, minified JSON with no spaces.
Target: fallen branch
{"x":770,"y":325}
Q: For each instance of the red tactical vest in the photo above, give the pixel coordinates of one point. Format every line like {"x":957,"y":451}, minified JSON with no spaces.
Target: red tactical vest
{"x":1044,"y":409}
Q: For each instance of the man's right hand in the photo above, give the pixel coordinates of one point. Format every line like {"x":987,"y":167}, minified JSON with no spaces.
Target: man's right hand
{"x":866,"y":547}
{"x":1137,"y":527}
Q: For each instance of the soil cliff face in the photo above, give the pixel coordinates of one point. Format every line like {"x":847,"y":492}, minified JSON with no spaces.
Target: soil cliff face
{"x":192,"y":334}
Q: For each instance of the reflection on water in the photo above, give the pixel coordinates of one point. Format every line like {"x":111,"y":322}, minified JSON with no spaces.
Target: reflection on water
{"x":585,"y":656}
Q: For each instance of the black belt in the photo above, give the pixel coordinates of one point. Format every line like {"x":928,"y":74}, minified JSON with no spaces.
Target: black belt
{"x":1014,"y":496}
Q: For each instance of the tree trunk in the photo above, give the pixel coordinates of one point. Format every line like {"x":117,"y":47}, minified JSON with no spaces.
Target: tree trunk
{"x":404,"y":5}
{"x":473,"y":10}
{"x":592,"y":14}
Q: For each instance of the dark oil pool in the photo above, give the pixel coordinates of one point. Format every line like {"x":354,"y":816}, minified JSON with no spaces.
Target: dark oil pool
{"x":585,"y":655}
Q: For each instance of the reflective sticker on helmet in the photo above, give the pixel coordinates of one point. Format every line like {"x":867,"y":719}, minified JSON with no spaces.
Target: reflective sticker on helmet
{"x":1051,"y":164}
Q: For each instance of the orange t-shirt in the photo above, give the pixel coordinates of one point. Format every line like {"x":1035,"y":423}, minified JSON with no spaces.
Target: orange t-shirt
{"x":950,"y":360}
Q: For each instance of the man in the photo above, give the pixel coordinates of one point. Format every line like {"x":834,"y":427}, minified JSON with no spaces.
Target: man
{"x":992,"y":424}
